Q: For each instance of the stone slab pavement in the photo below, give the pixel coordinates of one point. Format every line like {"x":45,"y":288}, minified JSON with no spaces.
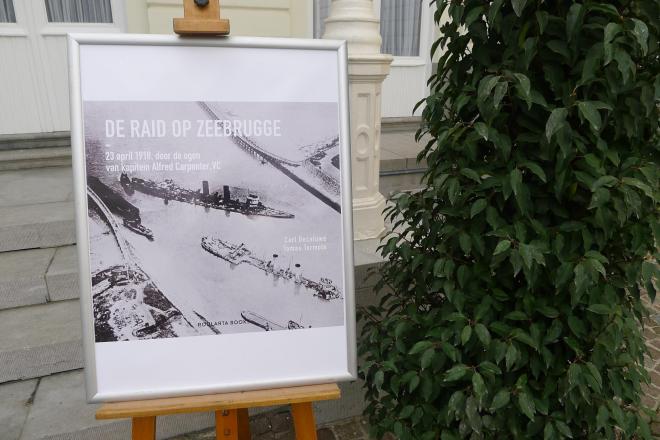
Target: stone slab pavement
{"x":278,"y":426}
{"x":652,"y":333}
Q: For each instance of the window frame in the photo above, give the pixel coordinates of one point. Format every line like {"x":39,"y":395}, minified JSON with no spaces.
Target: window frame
{"x":62,"y":28}
{"x":14,"y":28}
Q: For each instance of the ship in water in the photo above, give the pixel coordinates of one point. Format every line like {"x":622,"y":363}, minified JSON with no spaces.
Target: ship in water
{"x":239,"y":254}
{"x":169,"y":190}
{"x":260,"y":321}
{"x":137,"y":227}
{"x":119,"y":206}
{"x":267,"y":324}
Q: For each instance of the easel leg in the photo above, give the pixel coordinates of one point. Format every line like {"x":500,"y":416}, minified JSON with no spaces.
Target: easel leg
{"x":143,"y":428}
{"x":243,"y":424}
{"x":226,"y":425}
{"x":303,"y":420}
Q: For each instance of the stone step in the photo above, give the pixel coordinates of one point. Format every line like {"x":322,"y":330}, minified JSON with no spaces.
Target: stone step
{"x":392,"y":183}
{"x":23,"y":280}
{"x":54,"y":408}
{"x":40,"y":340}
{"x":23,"y":141}
{"x":35,"y":276}
{"x":32,"y":187}
{"x":62,"y":275}
{"x":35,"y":150}
{"x":41,"y":225}
{"x":36,"y":208}
{"x":409,"y":124}
{"x":31,"y":158}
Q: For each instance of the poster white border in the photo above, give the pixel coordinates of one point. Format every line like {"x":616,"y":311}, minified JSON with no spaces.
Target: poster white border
{"x":135,"y":378}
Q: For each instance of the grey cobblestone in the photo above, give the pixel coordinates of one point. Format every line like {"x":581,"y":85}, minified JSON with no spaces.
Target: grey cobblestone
{"x":652,"y":333}
{"x":277,"y":425}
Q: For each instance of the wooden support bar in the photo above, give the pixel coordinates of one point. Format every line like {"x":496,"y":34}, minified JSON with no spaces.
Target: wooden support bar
{"x":303,"y":421}
{"x":143,"y":428}
{"x":215,"y":402}
{"x":201,"y":20}
{"x":226,"y":424}
{"x":231,"y":410}
{"x":243,"y":424}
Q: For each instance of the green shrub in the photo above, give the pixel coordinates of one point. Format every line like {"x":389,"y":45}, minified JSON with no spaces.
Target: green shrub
{"x":511,"y":292}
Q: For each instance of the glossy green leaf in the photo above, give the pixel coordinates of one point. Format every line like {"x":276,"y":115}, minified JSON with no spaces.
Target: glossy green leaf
{"x":555,"y":122}
{"x":527,"y":405}
{"x":641,"y":31}
{"x":456,"y":373}
{"x":502,"y":246}
{"x":500,"y":400}
{"x":483,"y":334}
{"x":518,"y":6}
{"x":573,"y":20}
{"x":477,"y":207}
{"x":590,"y":113}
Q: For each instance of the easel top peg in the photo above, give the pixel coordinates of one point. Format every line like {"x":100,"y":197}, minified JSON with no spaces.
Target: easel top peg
{"x":201,"y":17}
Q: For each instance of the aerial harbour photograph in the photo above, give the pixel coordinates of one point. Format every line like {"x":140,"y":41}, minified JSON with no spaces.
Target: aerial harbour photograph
{"x":199,"y":231}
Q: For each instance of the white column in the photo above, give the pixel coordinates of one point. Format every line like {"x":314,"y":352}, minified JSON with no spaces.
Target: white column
{"x":356,"y":22}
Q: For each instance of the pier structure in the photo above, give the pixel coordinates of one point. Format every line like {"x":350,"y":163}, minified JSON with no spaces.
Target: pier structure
{"x":169,"y":190}
{"x":280,"y":163}
{"x":111,"y":221}
{"x":148,"y":312}
{"x":238,"y":254}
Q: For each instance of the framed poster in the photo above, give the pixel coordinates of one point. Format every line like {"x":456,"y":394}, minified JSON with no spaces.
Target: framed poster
{"x":213,"y":209}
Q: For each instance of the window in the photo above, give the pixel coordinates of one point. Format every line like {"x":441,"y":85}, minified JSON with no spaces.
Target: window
{"x":400,"y":22}
{"x":79,"y":11}
{"x":7,"y":14}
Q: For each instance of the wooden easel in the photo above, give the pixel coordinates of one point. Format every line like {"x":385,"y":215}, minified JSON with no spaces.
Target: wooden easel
{"x":202,"y":17}
{"x":231,"y":410}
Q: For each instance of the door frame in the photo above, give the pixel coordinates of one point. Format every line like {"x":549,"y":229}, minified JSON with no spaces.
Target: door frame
{"x":16,"y":29}
{"x":46,"y":75}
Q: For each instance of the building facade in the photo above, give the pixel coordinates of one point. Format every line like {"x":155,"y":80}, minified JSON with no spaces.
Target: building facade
{"x":34,"y":70}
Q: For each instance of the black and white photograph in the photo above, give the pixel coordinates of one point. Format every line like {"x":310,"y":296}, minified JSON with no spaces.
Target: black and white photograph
{"x":209,"y":218}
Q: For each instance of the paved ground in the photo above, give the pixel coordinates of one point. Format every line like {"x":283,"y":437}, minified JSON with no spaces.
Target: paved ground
{"x":277,"y":426}
{"x":652,"y":333}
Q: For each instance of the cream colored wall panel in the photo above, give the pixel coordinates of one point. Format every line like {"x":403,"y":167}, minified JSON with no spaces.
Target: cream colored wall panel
{"x":20,"y":102}
{"x":402,"y":89}
{"x":259,"y":22}
{"x":55,"y":60}
{"x":261,"y":18}
{"x":137,"y":20}
{"x":302,"y":18}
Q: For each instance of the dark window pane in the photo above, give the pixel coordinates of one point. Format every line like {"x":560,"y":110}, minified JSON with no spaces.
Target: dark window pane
{"x":79,"y":11}
{"x":400,"y":22}
{"x":7,"y":14}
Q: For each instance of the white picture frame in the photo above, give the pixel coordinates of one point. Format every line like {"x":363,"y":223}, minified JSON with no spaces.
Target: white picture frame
{"x":115,"y":74}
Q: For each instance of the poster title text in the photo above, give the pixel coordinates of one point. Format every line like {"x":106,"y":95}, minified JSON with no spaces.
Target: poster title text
{"x":202,"y":128}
